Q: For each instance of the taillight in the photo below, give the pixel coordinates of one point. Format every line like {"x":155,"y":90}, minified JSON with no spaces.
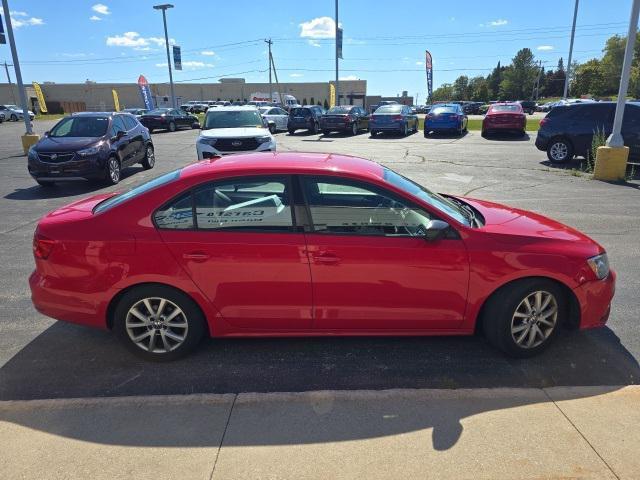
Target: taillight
{"x":543,"y":121}
{"x":397,"y":117}
{"x":42,"y":246}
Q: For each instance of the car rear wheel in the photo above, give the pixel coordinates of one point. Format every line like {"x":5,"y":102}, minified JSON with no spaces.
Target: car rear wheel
{"x":291,"y":132}
{"x":522,"y":318}
{"x":272,"y":128}
{"x":405,"y":130}
{"x":559,"y":150}
{"x":149,"y":158}
{"x":158,"y":323}
{"x":113,"y":171}
{"x":354,"y":128}
{"x":14,"y":117}
{"x":172,"y":126}
{"x":373,"y":133}
{"x":326,"y":132}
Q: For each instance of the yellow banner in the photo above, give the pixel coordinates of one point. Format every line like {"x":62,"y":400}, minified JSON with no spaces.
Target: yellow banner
{"x":40,"y":96}
{"x":116,"y":101}
{"x":332,"y":95}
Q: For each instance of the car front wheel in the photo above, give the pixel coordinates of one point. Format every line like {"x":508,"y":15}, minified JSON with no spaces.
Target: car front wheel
{"x":522,"y":318}
{"x":149,"y":158}
{"x":158,"y":323}
{"x":559,"y":151}
{"x":113,"y":171}
{"x":172,"y":127}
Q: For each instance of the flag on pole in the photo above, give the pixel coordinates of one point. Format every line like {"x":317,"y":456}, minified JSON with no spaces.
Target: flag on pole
{"x":429,"y":65}
{"x":332,"y":95}
{"x":116,"y":100}
{"x":145,"y":91}
{"x":40,"y":96}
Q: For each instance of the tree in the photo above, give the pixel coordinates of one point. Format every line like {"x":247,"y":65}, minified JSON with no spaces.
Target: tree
{"x":560,"y":67}
{"x":479,"y":89}
{"x":494,"y":80}
{"x":312,"y":101}
{"x":461,"y":88}
{"x":304,"y":101}
{"x":443,"y":93}
{"x":519,"y":77}
{"x":589,"y":79}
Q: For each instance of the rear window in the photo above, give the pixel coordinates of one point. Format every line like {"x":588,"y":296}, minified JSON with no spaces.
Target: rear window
{"x":439,"y":110}
{"x":506,"y":108}
{"x":139,"y":190}
{"x":300,"y":112}
{"x":389,"y":109}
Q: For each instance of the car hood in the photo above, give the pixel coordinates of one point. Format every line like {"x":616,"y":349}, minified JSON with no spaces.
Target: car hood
{"x":51,"y":144}
{"x":509,"y":221}
{"x":235,"y":132}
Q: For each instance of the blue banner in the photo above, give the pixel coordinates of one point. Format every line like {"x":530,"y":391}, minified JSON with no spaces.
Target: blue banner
{"x":177,"y":58}
{"x":145,"y":91}
{"x":3,"y":40}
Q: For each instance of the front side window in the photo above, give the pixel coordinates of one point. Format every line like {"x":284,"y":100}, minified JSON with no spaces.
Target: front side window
{"x":342,"y":206}
{"x":117,"y":125}
{"x":256,"y":204}
{"x":129,"y":122}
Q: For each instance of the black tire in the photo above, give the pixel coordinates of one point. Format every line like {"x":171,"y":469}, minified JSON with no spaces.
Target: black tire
{"x":559,"y":150}
{"x":150,"y":130}
{"x":292,"y":132}
{"x":500,"y":310}
{"x":149,"y":158}
{"x":13,"y":117}
{"x":373,"y":133}
{"x":314,"y":129}
{"x":45,"y":183}
{"x":111,"y":168}
{"x":172,"y":127}
{"x":191,"y":315}
{"x":354,"y":129}
{"x":326,"y":132}
{"x":523,"y":133}
{"x":272,"y":128}
{"x":405,"y":131}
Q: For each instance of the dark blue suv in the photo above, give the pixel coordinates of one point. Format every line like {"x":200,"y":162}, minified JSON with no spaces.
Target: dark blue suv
{"x":91,"y":146}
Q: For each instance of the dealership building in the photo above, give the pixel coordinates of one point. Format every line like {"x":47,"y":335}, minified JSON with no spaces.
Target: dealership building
{"x":70,"y":97}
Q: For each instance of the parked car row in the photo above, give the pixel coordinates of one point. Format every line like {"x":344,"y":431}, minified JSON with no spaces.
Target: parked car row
{"x":13,"y":113}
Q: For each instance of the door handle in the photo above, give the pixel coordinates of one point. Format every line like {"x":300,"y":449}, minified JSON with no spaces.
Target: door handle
{"x":326,"y":257}
{"x":196,"y":256}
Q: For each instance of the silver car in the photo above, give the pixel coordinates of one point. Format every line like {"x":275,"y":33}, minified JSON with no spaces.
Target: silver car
{"x":276,"y":116}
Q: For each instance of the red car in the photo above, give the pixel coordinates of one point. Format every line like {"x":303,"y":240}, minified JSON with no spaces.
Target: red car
{"x":300,"y":244}
{"x":504,"y":117}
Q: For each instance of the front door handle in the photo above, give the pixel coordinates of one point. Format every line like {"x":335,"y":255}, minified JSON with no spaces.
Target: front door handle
{"x":196,"y":256}
{"x":326,"y":257}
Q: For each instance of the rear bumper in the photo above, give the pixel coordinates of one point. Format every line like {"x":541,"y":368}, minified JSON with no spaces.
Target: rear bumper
{"x":388,"y":127}
{"x":436,"y":126}
{"x":542,"y":141}
{"x":595,"y":299}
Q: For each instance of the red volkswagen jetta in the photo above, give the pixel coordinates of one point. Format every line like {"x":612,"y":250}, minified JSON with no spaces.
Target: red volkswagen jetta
{"x":505,"y":117}
{"x":284,"y":244}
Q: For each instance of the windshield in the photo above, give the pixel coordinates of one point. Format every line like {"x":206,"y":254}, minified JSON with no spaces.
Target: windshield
{"x":435,"y":200}
{"x":339,"y":110}
{"x":80,"y":127}
{"x":389,"y":109}
{"x":232,"y":119}
{"x":439,"y":110}
{"x":505,"y":108}
{"x":159,"y":111}
{"x":139,"y":190}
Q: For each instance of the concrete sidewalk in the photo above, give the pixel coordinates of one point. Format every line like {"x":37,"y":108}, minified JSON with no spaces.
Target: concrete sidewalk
{"x":562,"y":432}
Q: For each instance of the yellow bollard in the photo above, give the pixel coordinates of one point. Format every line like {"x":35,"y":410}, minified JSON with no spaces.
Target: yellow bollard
{"x":611,"y":163}
{"x":28,"y":141}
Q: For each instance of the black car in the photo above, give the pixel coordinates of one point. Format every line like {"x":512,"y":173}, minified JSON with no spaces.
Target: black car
{"x":306,"y":118}
{"x":344,"y":118}
{"x":136,"y":112}
{"x":529,"y":106}
{"x":568,"y":130}
{"x":168,"y":119}
{"x":90,"y":146}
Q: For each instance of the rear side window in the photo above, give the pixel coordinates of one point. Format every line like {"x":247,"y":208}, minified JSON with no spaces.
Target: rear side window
{"x":259,"y":204}
{"x":300,"y":112}
{"x":598,"y":114}
{"x":178,"y":215}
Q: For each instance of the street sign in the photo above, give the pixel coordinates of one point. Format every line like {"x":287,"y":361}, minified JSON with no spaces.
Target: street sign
{"x":339,"y":42}
{"x":3,"y":39}
{"x":177,"y":58}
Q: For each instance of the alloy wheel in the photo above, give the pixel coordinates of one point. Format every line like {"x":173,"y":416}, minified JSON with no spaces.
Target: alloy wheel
{"x":354,"y":128}
{"x":114,"y":170}
{"x":534,"y":319}
{"x":151,"y":157}
{"x":559,"y":151}
{"x":156,"y":325}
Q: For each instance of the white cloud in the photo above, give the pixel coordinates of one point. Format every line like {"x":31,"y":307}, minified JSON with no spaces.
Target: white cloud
{"x":545,"y":47}
{"x":296,"y":75}
{"x":135,"y":41}
{"x":22,"y":19}
{"x":498,"y":23}
{"x":95,"y":18}
{"x":207,"y":53}
{"x":419,"y":64}
{"x":349,"y":77}
{"x":320,"y":27}
{"x":101,"y":9}
{"x":314,"y":43}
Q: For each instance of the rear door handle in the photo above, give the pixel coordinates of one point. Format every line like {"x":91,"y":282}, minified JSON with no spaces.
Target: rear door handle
{"x":326,"y":257}
{"x":196,"y":256}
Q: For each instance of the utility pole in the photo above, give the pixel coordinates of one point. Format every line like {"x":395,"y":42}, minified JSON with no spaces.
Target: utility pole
{"x":6,"y":69}
{"x":16,"y":65}
{"x":164,"y":8}
{"x":269,"y":42}
{"x":568,"y":70}
{"x":537,"y":87}
{"x":275,"y":73}
{"x":337,"y":80}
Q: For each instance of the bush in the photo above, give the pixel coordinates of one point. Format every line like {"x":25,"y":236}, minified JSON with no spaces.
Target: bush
{"x":326,"y":104}
{"x":599,"y":140}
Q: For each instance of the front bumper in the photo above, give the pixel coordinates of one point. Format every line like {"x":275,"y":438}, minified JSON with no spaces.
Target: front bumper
{"x":92,"y":167}
{"x":595,"y":299}
{"x":207,"y":151}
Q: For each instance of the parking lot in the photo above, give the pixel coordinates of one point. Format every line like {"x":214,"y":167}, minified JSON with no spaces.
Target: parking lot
{"x":43,"y":358}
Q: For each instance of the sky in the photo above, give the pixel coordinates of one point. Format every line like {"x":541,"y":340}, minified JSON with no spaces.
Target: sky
{"x":70,"y":41}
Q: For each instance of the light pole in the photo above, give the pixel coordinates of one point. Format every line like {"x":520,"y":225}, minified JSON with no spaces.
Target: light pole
{"x":611,"y":160}
{"x":16,"y":66}
{"x":573,"y":33}
{"x":337,"y":81}
{"x":164,"y":8}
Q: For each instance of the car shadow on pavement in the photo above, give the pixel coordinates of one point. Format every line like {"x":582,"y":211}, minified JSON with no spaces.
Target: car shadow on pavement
{"x":67,"y":188}
{"x":68,"y":361}
{"x":447,"y":135}
{"x":508,"y":137}
{"x":390,"y":135}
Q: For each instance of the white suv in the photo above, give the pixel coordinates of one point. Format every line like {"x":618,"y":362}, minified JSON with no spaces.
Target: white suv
{"x":228,"y":130}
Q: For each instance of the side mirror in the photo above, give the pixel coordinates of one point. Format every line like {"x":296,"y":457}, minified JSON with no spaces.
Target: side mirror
{"x":435,"y":230}
{"x":46,"y":134}
{"x":119,"y":134}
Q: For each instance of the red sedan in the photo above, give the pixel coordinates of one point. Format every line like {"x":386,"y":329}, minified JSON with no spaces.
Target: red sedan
{"x":297,"y":244}
{"x":505,"y":117}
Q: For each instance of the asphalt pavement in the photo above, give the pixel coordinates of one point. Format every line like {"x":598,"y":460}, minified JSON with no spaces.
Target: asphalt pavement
{"x":42,"y":358}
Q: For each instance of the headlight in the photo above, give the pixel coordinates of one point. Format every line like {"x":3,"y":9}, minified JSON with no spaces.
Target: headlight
{"x":262,"y":140}
{"x":33,"y":154}
{"x":89,"y":151}
{"x":599,"y":265}
{"x":207,"y":141}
